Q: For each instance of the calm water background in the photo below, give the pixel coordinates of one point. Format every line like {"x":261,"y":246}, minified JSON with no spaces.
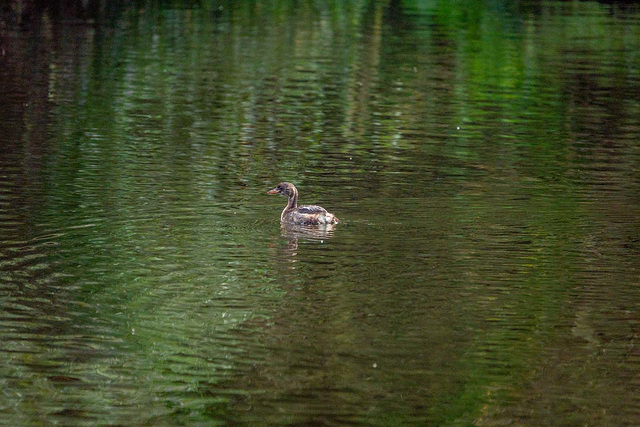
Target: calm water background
{"x":483,"y":157}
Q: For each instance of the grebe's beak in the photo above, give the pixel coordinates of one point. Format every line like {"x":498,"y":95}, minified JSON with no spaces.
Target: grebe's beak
{"x":274,"y":191}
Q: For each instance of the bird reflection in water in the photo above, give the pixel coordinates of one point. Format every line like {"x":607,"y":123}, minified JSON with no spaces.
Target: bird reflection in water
{"x":293,"y":234}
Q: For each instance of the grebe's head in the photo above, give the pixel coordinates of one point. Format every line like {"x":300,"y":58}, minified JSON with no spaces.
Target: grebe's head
{"x":285,"y":189}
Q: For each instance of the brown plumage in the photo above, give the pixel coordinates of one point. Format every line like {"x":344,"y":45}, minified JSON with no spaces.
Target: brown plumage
{"x":301,"y":215}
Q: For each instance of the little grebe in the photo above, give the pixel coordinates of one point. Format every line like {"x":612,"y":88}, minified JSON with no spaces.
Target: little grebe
{"x":301,"y":215}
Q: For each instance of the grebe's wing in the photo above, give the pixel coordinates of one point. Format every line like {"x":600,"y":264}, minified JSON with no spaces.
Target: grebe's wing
{"x":312,"y":209}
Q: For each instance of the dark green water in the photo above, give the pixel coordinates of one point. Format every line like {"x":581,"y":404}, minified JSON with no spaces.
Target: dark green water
{"x":484,"y":160}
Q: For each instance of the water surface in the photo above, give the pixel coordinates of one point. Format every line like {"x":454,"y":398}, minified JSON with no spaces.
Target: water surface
{"x":483,"y":161}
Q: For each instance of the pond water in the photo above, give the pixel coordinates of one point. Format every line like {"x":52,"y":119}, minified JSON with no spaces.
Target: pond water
{"x":483,"y":159}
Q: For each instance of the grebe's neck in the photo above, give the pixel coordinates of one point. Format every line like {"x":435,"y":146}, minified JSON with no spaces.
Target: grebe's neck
{"x":293,"y":199}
